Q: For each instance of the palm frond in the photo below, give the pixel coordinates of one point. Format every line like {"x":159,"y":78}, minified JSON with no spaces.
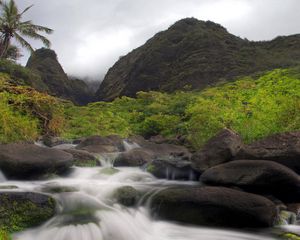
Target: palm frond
{"x":26,"y":9}
{"x":35,"y":35}
{"x":41,"y":28}
{"x":23,"y":42}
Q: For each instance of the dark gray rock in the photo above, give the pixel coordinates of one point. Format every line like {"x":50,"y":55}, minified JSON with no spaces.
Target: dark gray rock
{"x":28,"y":161}
{"x":264,"y":177}
{"x":98,"y":144}
{"x":214,"y":206}
{"x":219,"y":149}
{"x":283,"y":148}
{"x":83,"y":158}
{"x":133,"y":158}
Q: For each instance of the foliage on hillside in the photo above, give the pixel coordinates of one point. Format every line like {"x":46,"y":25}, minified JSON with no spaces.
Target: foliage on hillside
{"x":253,"y":107}
{"x":25,"y":113}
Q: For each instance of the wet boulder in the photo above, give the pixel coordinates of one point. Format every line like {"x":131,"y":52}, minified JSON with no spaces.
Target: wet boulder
{"x":259,"y":176}
{"x":214,"y":206}
{"x":162,"y":150}
{"x":283,"y":148}
{"x":172,"y":170}
{"x":51,"y":141}
{"x":219,"y":149}
{"x":99,"y":144}
{"x":127,"y":196}
{"x":29,"y":161}
{"x":21,"y":210}
{"x":83,"y":158}
{"x":133,"y":158}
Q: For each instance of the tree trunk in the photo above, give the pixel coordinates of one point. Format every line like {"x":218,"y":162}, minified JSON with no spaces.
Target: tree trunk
{"x":4,"y":46}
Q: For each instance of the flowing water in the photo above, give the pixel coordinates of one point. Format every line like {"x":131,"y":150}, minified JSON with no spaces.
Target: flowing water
{"x":87,"y":209}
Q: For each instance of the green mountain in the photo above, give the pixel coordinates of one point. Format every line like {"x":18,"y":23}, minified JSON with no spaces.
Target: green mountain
{"x":194,"y":54}
{"x":44,"y":63}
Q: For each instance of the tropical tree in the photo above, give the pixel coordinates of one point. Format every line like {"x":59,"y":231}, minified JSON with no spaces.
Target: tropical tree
{"x":12,"y":26}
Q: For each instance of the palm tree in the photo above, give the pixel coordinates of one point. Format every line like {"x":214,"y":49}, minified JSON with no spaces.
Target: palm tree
{"x":11,"y":26}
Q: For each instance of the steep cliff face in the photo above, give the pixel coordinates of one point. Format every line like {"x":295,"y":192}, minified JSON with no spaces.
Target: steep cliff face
{"x":194,"y":54}
{"x":44,"y":62}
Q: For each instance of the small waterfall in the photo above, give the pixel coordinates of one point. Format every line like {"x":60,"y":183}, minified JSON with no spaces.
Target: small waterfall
{"x":130,"y":145}
{"x":107,"y":159}
{"x":2,"y":177}
{"x":40,"y":144}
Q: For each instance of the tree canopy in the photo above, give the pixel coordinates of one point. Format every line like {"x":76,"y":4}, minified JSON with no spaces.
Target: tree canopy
{"x":12,"y":26}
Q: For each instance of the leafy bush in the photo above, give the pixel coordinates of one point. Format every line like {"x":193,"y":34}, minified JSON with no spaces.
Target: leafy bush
{"x":26,"y":113}
{"x":254,"y":108}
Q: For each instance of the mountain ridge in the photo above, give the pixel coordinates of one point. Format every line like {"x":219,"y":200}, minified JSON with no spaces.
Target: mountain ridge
{"x":193,"y":54}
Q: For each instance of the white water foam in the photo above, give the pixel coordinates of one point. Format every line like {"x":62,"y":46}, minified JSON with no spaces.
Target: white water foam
{"x":2,"y":177}
{"x":130,"y":145}
{"x":92,"y":213}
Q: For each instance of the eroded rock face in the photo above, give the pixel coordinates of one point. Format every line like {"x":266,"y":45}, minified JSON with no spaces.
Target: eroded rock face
{"x":214,"y":206}
{"x":21,"y":210}
{"x":219,"y":149}
{"x":259,"y":176}
{"x":283,"y":148}
{"x":29,"y":161}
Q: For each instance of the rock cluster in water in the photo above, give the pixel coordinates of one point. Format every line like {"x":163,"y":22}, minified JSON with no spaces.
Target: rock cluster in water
{"x":235,"y":185}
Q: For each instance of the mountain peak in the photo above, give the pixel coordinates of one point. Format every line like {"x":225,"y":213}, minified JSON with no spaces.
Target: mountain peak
{"x":194,"y":22}
{"x":194,"y":54}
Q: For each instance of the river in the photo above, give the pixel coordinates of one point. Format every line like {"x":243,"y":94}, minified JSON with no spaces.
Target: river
{"x":88,"y":210}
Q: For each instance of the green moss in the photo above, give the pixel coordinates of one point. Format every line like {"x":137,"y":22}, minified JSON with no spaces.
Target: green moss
{"x":290,"y":236}
{"x":19,"y":214}
{"x":109,"y":171}
{"x":150,"y":168}
{"x":127,"y":196}
{"x":86,"y":163}
{"x":8,"y":187}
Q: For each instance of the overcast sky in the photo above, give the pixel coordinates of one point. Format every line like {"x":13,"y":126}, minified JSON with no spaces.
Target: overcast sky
{"x":90,"y":35}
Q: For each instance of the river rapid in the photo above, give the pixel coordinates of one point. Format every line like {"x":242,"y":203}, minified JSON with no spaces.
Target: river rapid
{"x":87,"y":209}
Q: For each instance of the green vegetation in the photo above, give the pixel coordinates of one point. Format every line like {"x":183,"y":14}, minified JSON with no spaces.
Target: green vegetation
{"x":25,"y":113}
{"x":4,"y":235}
{"x":19,"y":214}
{"x":253,"y":106}
{"x":12,"y":26}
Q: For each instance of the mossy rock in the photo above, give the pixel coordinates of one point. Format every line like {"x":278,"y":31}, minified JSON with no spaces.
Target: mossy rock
{"x":58,"y":189}
{"x":290,"y":236}
{"x":127,"y":196}
{"x":8,"y":187}
{"x":109,"y":171}
{"x":286,"y":217}
{"x":22,"y":210}
{"x":83,"y":158}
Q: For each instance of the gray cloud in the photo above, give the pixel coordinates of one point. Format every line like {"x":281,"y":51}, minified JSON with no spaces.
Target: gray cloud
{"x":90,"y":35}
